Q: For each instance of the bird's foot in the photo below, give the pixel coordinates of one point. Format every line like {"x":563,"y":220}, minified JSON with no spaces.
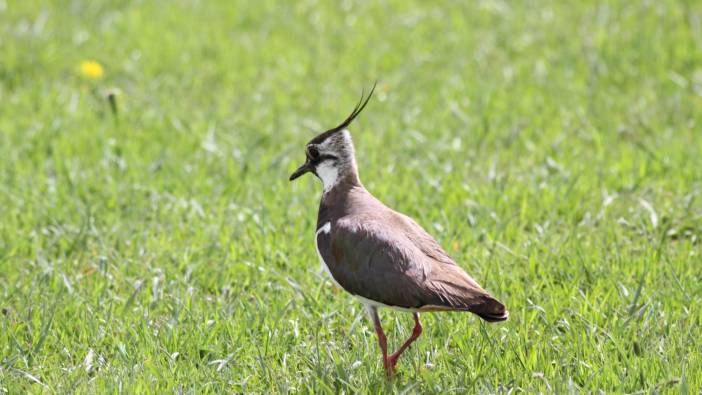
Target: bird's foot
{"x":390,"y":364}
{"x":392,"y":360}
{"x":390,"y":371}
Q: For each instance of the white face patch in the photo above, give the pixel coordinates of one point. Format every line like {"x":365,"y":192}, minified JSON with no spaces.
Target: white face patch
{"x":328,"y":173}
{"x":331,"y":171}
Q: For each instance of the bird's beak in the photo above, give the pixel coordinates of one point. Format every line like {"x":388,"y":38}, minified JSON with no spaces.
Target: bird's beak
{"x":307,"y":166}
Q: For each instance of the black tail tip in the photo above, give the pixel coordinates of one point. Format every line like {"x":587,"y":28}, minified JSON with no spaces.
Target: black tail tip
{"x":493,"y":311}
{"x":495,"y":317}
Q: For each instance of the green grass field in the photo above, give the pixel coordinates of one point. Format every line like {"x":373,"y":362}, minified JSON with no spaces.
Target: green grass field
{"x":553,"y":148}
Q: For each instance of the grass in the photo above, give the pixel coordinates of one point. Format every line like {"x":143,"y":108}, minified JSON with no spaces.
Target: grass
{"x":552,"y":147}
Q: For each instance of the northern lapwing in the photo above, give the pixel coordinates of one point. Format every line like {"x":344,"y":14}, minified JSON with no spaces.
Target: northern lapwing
{"x":380,"y":256}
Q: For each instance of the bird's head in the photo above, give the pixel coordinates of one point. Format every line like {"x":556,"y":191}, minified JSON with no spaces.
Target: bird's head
{"x":330,"y":156}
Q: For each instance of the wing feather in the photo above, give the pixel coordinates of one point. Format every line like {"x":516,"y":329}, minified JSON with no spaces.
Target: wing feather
{"x":404,"y":268}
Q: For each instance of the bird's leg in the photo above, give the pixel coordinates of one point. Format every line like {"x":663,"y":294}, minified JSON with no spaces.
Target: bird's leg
{"x":382,"y":340}
{"x":392,"y":359}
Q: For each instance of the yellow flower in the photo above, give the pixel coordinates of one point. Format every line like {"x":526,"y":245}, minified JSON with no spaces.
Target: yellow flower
{"x":91,"y":69}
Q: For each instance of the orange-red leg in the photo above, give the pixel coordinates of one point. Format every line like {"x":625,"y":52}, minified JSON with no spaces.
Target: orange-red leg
{"x":392,"y":360}
{"x":382,"y":340}
{"x":389,"y":362}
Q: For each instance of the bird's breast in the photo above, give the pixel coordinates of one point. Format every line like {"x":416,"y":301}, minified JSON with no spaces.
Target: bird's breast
{"x":321,"y":241}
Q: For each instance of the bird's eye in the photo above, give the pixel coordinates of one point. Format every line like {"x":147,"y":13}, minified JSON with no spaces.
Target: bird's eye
{"x":312,"y":152}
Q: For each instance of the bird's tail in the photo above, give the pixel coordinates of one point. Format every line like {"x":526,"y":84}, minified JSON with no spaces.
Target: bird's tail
{"x":491,"y":310}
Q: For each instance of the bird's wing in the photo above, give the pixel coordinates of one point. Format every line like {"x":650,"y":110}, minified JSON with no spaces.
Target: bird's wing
{"x":393,"y":261}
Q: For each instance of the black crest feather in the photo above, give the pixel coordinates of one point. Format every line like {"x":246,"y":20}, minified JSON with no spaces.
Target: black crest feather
{"x":357,"y":110}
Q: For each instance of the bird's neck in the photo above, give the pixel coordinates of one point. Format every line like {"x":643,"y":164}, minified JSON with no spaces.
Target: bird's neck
{"x":337,"y":202}
{"x":335,"y":177}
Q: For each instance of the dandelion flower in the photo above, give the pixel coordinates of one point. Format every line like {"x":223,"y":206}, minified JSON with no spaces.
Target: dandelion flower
{"x":91,"y":69}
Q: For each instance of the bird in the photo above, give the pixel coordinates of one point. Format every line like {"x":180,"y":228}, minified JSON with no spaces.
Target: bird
{"x":380,"y":256}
